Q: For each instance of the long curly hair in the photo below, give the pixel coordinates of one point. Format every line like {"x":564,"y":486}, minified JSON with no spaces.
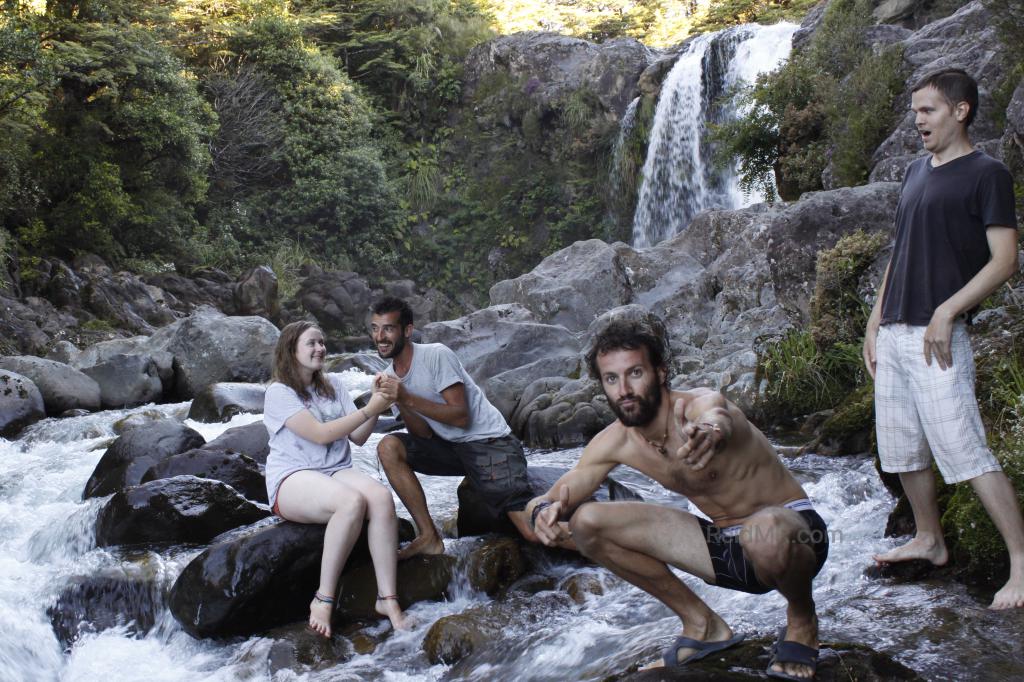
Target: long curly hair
{"x":286,"y":367}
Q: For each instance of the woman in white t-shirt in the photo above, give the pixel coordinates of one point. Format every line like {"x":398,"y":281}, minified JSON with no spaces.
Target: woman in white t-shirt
{"x":310,"y":478}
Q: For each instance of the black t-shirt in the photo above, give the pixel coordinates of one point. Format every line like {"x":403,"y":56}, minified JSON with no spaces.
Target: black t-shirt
{"x":940,"y":232}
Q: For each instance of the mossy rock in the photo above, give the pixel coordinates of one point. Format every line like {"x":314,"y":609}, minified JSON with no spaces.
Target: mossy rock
{"x":851,"y":427}
{"x":838,"y":313}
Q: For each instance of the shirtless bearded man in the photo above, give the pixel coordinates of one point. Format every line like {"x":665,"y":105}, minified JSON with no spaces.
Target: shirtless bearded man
{"x":763,"y":534}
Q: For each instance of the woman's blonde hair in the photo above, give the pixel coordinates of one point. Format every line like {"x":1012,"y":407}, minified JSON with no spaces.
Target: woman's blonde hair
{"x":286,"y":367}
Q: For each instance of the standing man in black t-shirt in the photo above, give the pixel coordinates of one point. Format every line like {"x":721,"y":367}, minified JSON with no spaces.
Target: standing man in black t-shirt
{"x":956,"y":243}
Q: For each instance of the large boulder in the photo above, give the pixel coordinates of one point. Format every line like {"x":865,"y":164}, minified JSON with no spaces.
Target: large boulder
{"x":340,"y":302}
{"x":500,"y":338}
{"x":62,"y":387}
{"x":256,"y":580}
{"x":127,"y":380}
{"x":221,"y":401}
{"x":505,"y":390}
{"x":571,"y":286}
{"x":251,"y":440}
{"x":560,"y":412}
{"x":420,"y":578}
{"x":183,"y":509}
{"x":238,"y":471}
{"x":105,"y":351}
{"x":205,"y":287}
{"x":21,"y":403}
{"x":209,"y":347}
{"x":130,"y":456}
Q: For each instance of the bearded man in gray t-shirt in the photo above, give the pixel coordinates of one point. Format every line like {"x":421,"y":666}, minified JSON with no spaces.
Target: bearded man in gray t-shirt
{"x":453,"y":429}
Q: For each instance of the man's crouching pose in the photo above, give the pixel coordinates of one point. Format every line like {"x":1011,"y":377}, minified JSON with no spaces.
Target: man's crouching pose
{"x":763,"y":535}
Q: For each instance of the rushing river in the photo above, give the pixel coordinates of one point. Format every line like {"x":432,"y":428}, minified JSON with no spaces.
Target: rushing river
{"x":940,"y":629}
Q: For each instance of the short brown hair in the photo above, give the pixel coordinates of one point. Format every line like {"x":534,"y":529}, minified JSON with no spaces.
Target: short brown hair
{"x":629,"y":334}
{"x":955,"y":86}
{"x":286,"y":369}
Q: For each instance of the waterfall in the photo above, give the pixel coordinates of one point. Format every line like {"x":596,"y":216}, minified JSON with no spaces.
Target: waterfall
{"x":680,"y":178}
{"x":625,"y":127}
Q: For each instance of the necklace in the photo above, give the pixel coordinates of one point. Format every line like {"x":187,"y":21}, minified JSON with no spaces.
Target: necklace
{"x":660,"y":447}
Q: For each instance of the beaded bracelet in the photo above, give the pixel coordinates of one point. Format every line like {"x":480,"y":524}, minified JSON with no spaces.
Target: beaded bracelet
{"x":541,"y":506}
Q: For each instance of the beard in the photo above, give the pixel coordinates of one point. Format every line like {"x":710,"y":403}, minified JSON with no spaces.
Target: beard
{"x":645,"y":410}
{"x":396,"y":348}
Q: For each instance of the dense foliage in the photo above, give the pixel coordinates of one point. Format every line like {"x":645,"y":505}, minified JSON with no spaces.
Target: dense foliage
{"x":825,"y":110}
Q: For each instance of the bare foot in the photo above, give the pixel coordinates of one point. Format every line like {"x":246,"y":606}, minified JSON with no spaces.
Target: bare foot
{"x":426,"y":543}
{"x":320,"y":616}
{"x":926,"y":547}
{"x":389,"y":607}
{"x":801,"y":632}
{"x":713,"y":630}
{"x":1011,"y":595}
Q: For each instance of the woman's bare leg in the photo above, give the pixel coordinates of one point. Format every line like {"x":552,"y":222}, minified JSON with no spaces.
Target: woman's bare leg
{"x":312,"y":497}
{"x":382,"y":536}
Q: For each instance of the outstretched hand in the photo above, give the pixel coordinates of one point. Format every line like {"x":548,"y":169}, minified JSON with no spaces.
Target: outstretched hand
{"x":547,"y":526}
{"x":700,"y":441}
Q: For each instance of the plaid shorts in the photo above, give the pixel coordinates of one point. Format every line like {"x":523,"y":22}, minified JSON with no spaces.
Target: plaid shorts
{"x":922,"y":411}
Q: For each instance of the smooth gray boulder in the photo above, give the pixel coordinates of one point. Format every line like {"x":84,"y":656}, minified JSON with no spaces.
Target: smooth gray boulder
{"x":571,"y":286}
{"x":21,"y":403}
{"x":505,"y":390}
{"x":104,"y":351}
{"x":221,"y":401}
{"x":127,"y":380}
{"x":209,"y":347}
{"x":63,"y":387}
{"x":500,"y":338}
{"x":130,"y":456}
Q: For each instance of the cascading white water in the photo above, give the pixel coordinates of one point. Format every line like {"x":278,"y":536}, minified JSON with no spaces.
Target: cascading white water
{"x":679,"y":176}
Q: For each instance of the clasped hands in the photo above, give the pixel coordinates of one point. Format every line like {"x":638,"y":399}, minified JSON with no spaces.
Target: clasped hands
{"x":384,"y":393}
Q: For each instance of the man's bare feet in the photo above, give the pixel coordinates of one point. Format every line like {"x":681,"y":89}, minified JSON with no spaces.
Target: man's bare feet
{"x":802,"y":632}
{"x":320,"y":611}
{"x":1011,"y":595}
{"x":389,"y":607}
{"x":712,"y":630}
{"x":425,"y":543}
{"x":927,"y":547}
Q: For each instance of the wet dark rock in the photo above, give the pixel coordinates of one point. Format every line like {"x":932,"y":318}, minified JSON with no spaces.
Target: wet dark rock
{"x":837,"y":662}
{"x":184,"y":509}
{"x":452,"y":638}
{"x":221,"y":401}
{"x":300,"y":650}
{"x":62,"y":387}
{"x":580,"y":585}
{"x":127,"y":380}
{"x":21,"y":403}
{"x":209,"y":347}
{"x":420,"y":578}
{"x":476,"y":519}
{"x":96,"y":603}
{"x":255,"y":293}
{"x":259,"y":579}
{"x":906,"y":571}
{"x":251,"y":440}
{"x":137,"y":419}
{"x":134,"y":452}
{"x":238,"y":471}
{"x":495,"y":563}
{"x":340,"y":302}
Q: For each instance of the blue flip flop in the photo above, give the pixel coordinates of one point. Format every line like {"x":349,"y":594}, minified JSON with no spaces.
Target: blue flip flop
{"x":670,"y":657}
{"x":792,"y":652}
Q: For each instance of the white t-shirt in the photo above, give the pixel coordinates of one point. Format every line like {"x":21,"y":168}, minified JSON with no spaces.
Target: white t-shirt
{"x":290,"y":452}
{"x":434,"y":368}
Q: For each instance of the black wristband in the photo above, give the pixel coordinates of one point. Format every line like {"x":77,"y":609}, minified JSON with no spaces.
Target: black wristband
{"x":541,"y":506}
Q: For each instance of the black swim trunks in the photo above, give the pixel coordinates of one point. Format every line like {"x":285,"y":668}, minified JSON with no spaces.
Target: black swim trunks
{"x":732,"y":568}
{"x":495,"y":467}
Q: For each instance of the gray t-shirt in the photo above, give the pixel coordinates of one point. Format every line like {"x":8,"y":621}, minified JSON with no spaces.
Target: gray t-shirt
{"x":434,"y":368}
{"x":290,"y":452}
